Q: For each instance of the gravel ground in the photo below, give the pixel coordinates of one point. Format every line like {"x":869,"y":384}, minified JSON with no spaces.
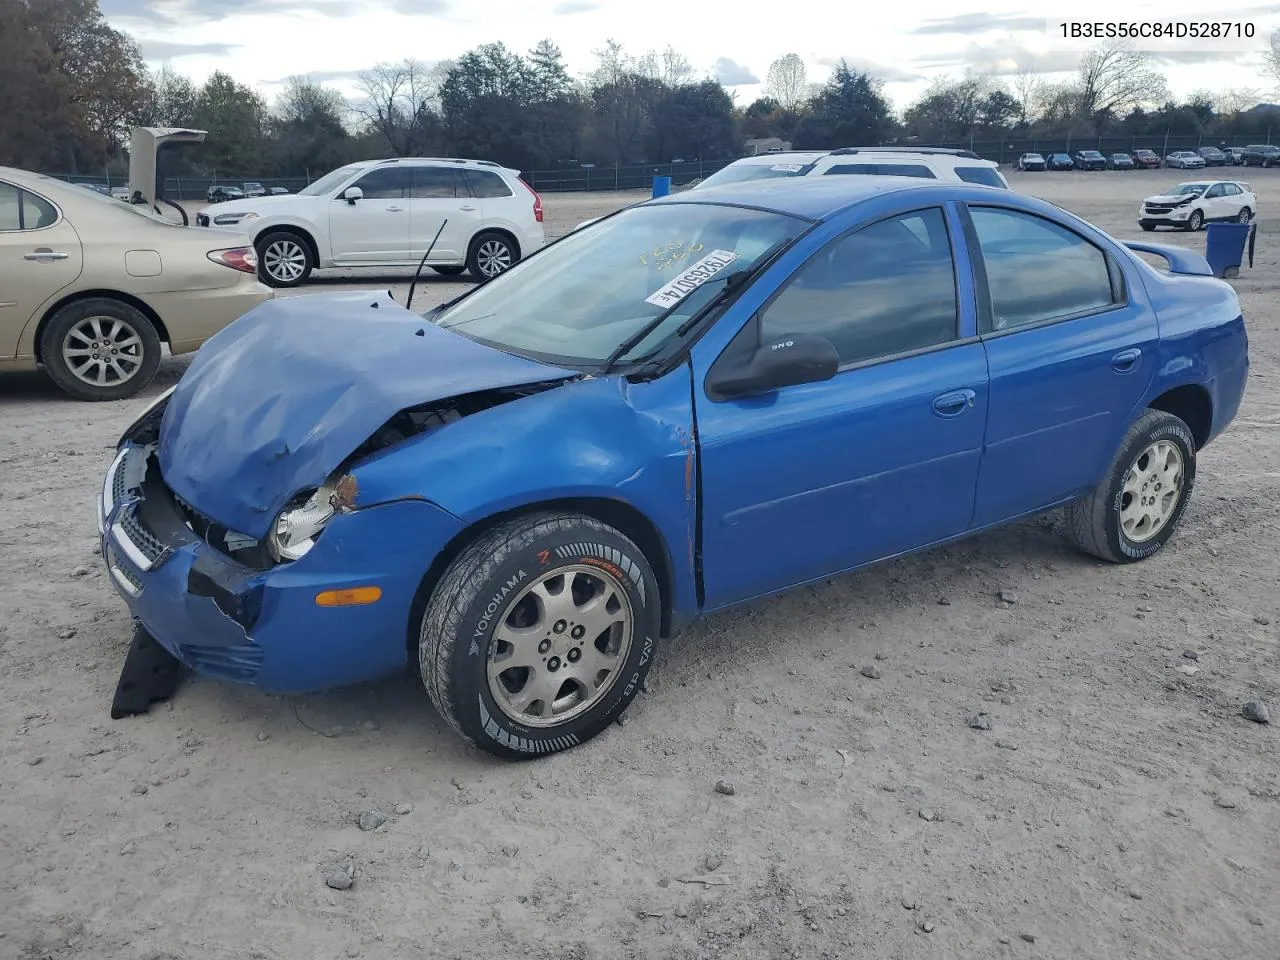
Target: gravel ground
{"x":1119,"y":805}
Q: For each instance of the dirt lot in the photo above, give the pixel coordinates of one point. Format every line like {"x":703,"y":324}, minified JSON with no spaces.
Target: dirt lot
{"x":1119,"y":807}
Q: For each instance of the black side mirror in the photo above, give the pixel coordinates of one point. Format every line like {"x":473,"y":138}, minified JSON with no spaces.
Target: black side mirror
{"x":783,"y":362}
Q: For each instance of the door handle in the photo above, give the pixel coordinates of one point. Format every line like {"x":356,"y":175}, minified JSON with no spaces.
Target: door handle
{"x":396,"y":209}
{"x":954,"y":403}
{"x":1126,"y":360}
{"x":44,"y":253}
{"x":467,"y":209}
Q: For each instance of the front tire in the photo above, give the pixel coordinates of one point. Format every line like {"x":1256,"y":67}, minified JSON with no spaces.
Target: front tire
{"x":100,"y":349}
{"x":1195,"y":221}
{"x":1134,"y":511}
{"x":540,"y":634}
{"x":284,"y":259}
{"x":491,"y":254}
{"x":449,"y":271}
{"x":1245,"y":215}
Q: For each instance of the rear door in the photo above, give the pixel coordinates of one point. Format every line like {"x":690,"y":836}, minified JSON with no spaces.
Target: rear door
{"x":39,"y":255}
{"x":1070,"y":344}
{"x":375,"y":228}
{"x":439,"y":199}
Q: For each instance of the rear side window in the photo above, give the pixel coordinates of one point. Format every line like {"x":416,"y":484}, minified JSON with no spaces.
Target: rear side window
{"x":435,"y":183}
{"x":983,"y":175}
{"x":486,"y":185}
{"x":1038,"y":270}
{"x":22,"y":210}
{"x":884,"y":170}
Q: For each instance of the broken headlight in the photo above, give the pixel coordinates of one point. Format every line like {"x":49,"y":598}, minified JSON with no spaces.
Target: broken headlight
{"x":300,"y":523}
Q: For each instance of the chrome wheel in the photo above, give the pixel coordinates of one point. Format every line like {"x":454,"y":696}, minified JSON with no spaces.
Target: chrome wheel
{"x":103,"y":351}
{"x":1245,"y":215}
{"x":284,"y":260}
{"x":1151,"y":491}
{"x":559,"y":646}
{"x":493,"y":257}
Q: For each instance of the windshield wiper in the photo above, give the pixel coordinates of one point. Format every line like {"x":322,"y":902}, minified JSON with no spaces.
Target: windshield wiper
{"x":732,"y":282}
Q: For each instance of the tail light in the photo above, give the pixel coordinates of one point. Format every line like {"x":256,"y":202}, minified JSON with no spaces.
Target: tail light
{"x":244,"y":259}
{"x":537,"y":200}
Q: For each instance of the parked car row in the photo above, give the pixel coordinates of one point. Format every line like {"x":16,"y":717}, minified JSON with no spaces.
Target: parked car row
{"x":222,"y":193}
{"x":1143,"y":159}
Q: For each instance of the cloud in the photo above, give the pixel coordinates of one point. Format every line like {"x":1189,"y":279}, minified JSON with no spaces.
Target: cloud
{"x":414,"y":7}
{"x":731,"y":73}
{"x":318,"y":76}
{"x":566,"y":7}
{"x":167,"y":50}
{"x":979,"y":23}
{"x":1002,"y":59}
{"x":189,"y":12}
{"x":875,"y":70}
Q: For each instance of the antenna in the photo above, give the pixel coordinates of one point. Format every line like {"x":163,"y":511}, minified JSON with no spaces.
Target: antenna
{"x":409,"y":301}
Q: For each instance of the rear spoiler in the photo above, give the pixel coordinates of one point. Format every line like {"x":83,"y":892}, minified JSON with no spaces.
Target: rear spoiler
{"x":1180,"y":259}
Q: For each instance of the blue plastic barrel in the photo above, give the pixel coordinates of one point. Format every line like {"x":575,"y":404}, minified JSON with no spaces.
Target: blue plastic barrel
{"x":661,"y":186}
{"x":1224,"y":247}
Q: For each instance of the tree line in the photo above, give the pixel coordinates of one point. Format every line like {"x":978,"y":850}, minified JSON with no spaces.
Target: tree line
{"x":71,"y":87}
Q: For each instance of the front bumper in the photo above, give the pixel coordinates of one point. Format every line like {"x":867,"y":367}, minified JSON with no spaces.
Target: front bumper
{"x":225,"y":619}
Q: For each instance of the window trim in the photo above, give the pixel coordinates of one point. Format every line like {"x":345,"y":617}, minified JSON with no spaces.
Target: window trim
{"x":757,"y":319}
{"x":982,"y":283}
{"x":58,"y":215}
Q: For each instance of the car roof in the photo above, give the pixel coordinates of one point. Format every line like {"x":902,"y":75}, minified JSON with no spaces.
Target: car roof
{"x":819,"y":198}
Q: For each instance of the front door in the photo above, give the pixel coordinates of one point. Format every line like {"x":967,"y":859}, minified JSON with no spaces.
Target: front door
{"x":881,"y":459}
{"x":39,"y":255}
{"x":1070,"y":343}
{"x":441,"y":210}
{"x":375,"y":228}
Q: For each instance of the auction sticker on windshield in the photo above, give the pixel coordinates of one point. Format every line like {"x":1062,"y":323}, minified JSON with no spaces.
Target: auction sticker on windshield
{"x":691,"y":279}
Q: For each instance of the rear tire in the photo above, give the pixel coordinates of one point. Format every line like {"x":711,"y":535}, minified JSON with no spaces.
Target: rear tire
{"x":284,"y":259}
{"x":1134,"y":511}
{"x":104,"y":339}
{"x":491,"y":254}
{"x":570,"y":603}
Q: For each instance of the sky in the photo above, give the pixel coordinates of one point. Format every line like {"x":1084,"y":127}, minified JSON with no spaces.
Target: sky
{"x":262,"y":42}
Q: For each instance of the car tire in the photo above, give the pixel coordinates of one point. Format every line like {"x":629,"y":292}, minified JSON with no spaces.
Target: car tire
{"x":500,"y":584}
{"x":449,"y":271}
{"x":491,"y":254}
{"x":1148,"y":227}
{"x":284,"y":259}
{"x":1244,"y":216}
{"x":1098,"y":524}
{"x":1195,"y":221}
{"x":75,"y":341}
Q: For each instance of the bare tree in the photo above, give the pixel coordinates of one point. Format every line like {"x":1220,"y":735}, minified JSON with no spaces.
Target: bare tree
{"x":787,"y":81}
{"x":1271,"y":55}
{"x":1028,"y":85}
{"x":670,"y":67}
{"x":1228,"y":103}
{"x":401,"y":103}
{"x":1114,"y":80}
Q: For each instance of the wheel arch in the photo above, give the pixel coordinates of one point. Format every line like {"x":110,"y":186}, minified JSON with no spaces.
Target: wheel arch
{"x":302,"y":233}
{"x":1191,"y":404}
{"x":501,"y":231}
{"x":622,"y":516}
{"x":103,"y":294}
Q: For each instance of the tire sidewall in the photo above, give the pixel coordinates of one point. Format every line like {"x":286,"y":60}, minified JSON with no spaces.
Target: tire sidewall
{"x":274,"y":237}
{"x":476,"y":710}
{"x":53,"y":335}
{"x":1171,"y":429}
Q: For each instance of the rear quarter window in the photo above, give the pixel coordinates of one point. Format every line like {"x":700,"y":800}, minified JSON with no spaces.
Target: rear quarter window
{"x":485,"y":185}
{"x":983,"y":175}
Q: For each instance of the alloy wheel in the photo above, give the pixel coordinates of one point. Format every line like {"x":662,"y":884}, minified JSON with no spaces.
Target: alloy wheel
{"x":103,"y":351}
{"x":284,"y":261}
{"x":493,"y":257}
{"x":1151,"y":491}
{"x":560,"y":645}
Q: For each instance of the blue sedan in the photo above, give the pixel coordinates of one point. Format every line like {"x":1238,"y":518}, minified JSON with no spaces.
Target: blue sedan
{"x":697,"y":401}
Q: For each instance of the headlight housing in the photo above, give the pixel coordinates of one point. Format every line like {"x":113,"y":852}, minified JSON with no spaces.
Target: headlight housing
{"x":300,"y":523}
{"x":231,"y":219}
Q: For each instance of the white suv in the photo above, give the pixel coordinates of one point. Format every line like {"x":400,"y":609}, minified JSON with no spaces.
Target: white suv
{"x":931,"y":163}
{"x":472,"y":214}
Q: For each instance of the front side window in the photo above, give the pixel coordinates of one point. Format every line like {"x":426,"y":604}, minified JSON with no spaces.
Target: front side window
{"x":436,"y":183}
{"x":1038,"y":270}
{"x":1214,"y":192}
{"x":885,"y":170}
{"x":385,"y":183}
{"x":586,"y":295}
{"x":886,"y":289}
{"x":23,"y":210}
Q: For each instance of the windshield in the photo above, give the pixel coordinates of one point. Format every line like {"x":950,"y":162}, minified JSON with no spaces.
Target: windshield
{"x":1183,"y":189}
{"x":582,"y":297}
{"x":1091,"y":154}
{"x":740,"y":172}
{"x":329,"y":182}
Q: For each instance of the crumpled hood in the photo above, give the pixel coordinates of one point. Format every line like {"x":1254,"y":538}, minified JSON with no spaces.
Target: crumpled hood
{"x":276,"y":401}
{"x":1166,"y":198}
